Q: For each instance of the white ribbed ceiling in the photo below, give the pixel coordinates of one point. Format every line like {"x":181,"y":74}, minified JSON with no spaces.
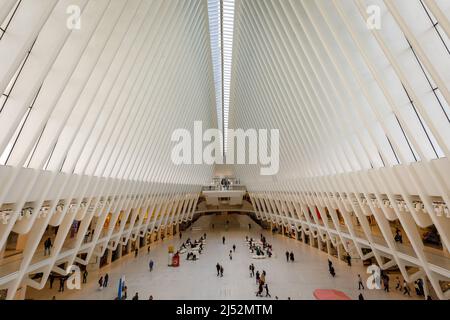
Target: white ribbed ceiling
{"x":345,"y":97}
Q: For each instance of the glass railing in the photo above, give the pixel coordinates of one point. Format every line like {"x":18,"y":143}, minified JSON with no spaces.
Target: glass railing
{"x":224,"y":188}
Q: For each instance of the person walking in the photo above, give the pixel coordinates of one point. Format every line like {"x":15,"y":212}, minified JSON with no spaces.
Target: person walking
{"x":253,"y":269}
{"x":287,"y":256}
{"x":267,"y":290}
{"x":398,"y":286}
{"x":221,"y":271}
{"x":291,"y":255}
{"x":386,"y":283}
{"x":100,"y":282}
{"x":348,"y":258}
{"x":136,"y":297}
{"x":251,"y":273}
{"x":360,"y":283}
{"x":257,"y":277}
{"x":421,"y":290}
{"x":105,"y":282}
{"x":234,"y":248}
{"x":406,"y":289}
{"x":398,"y":236}
{"x":218,"y":269}
{"x":148,"y":249}
{"x":47,"y":246}
{"x":260,"y":290}
{"x":150,"y":265}
{"x":330,"y":264}
{"x":262,"y":278}
{"x":85,"y":275}
{"x":223,"y":240}
{"x":231,"y":255}
{"x":124,"y":293}
{"x":332,"y":272}
{"x":416,"y":287}
{"x":62,"y":280}
{"x":51,"y":278}
{"x":360,"y":297}
{"x":136,"y":251}
{"x":180,"y":235}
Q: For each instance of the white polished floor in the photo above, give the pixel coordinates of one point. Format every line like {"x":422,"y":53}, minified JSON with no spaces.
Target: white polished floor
{"x":197,"y":280}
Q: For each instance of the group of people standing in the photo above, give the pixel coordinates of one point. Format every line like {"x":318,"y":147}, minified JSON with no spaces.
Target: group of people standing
{"x":418,"y":285}
{"x":254,"y":248}
{"x":103,"y":281}
{"x":399,"y":286}
{"x":190,"y":246}
{"x":404,"y":287}
{"x":260,"y":281}
{"x":289,"y":256}
{"x":219,"y":269}
{"x":63,"y":279}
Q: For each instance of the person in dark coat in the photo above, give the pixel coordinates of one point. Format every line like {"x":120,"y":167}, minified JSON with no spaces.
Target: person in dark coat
{"x":267,"y":290}
{"x":260,"y":290}
{"x":332,"y":272}
{"x":348,"y":259}
{"x":105,"y":283}
{"x":150,"y":265}
{"x":218,"y":269}
{"x":85,"y":275}
{"x":51,"y":278}
{"x":47,"y":246}
{"x":62,"y":281}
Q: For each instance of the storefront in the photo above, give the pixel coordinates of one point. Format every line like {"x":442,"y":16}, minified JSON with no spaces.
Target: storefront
{"x":116,"y":253}
{"x":104,"y":259}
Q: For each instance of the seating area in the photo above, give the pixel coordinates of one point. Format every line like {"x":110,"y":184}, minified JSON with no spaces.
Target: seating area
{"x":193,"y":249}
{"x":259,"y":249}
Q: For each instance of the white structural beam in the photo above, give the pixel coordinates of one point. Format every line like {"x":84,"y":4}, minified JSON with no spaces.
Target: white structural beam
{"x":88,"y":110}
{"x":359,"y":92}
